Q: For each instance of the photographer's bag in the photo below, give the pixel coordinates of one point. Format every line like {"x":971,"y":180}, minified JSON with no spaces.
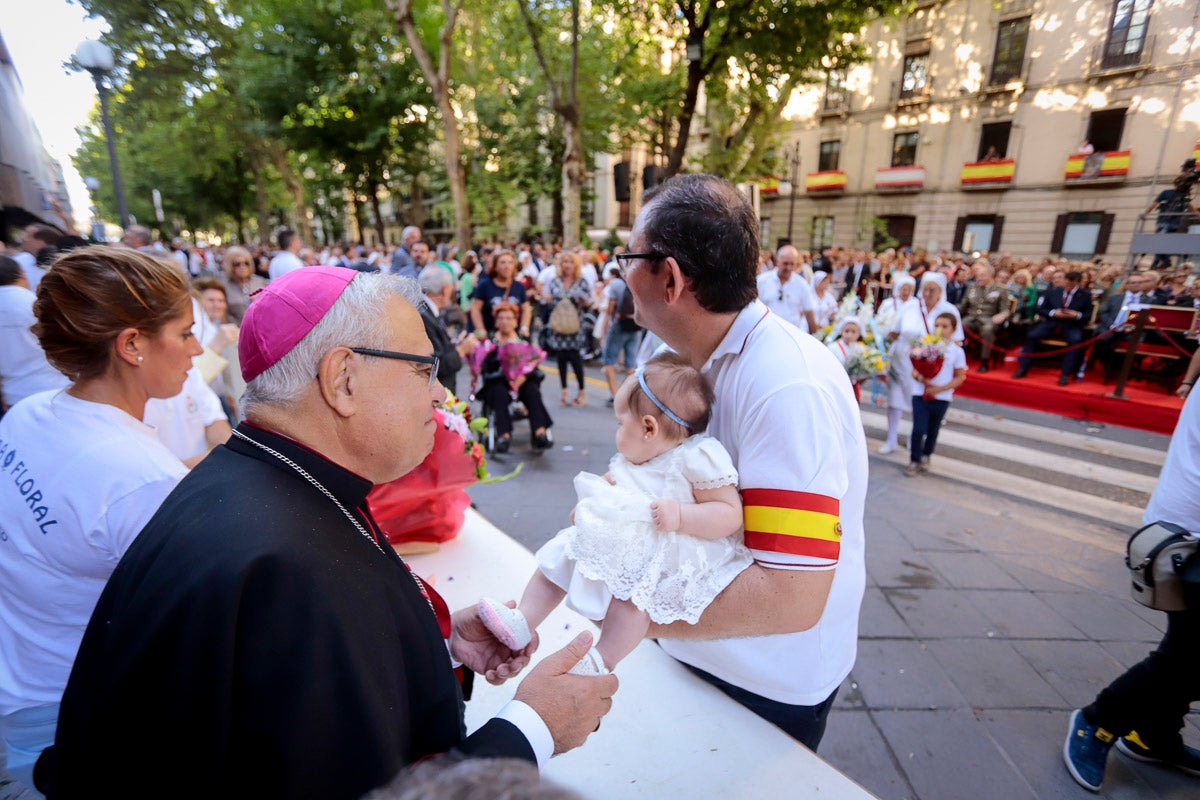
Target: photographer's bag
{"x":1155,"y":555}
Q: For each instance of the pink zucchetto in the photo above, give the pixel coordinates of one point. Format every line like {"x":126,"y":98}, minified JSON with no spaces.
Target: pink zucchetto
{"x":283,"y":313}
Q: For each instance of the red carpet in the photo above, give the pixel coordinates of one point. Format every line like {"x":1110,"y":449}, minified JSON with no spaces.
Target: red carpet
{"x":1146,"y":406}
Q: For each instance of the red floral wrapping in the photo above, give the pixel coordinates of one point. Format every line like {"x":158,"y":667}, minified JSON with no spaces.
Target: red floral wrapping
{"x":428,"y":504}
{"x":929,"y":368}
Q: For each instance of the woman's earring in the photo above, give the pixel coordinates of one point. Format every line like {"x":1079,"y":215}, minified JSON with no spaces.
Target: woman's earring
{"x":140,"y":359}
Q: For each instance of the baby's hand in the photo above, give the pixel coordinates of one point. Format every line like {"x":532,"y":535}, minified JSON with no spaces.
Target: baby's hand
{"x":665,"y":515}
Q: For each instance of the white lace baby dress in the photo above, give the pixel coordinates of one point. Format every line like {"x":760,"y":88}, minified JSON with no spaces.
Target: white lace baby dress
{"x":612,"y":550}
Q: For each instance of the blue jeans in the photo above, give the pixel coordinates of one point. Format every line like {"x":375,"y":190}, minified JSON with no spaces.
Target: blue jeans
{"x":805,"y":724}
{"x":927,"y":421}
{"x":618,"y":340}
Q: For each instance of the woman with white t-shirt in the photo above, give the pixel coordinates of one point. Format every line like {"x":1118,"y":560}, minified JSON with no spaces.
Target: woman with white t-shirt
{"x":82,"y":473}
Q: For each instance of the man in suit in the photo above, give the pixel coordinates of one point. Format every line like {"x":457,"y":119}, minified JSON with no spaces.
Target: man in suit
{"x":1062,"y":313}
{"x":451,"y":347}
{"x":858,"y":274}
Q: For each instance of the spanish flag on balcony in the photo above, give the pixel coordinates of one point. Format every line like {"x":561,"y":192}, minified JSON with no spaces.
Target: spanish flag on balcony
{"x":1196,"y":152}
{"x":768,"y":184}
{"x":1001,"y":171}
{"x":825,"y":181}
{"x":1114,"y":162}
{"x":789,"y":527}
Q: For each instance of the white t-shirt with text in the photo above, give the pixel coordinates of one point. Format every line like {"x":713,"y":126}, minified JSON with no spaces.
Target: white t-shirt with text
{"x":78,"y":481}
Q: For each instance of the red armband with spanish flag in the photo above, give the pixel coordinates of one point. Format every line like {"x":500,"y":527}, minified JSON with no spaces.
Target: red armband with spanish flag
{"x":788,"y":529}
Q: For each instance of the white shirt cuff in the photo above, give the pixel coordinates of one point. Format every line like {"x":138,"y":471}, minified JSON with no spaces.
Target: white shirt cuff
{"x":534,"y":729}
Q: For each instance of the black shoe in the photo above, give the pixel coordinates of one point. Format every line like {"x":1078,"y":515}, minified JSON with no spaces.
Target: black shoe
{"x":502,"y":444}
{"x":542,"y":441}
{"x":982,"y":369}
{"x":609,"y":402}
{"x":1021,"y":373}
{"x":1186,"y":758}
{"x":1064,"y":380}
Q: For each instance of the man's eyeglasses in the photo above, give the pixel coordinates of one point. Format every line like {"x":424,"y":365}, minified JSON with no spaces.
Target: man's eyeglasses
{"x":623,"y":259}
{"x":432,"y":361}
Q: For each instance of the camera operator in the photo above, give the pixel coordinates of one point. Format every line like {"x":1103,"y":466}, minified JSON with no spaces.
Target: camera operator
{"x":1174,"y":207}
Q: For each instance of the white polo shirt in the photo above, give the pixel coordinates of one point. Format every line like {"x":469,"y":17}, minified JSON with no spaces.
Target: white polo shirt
{"x":787,"y":415}
{"x":283,"y":263}
{"x":180,"y":421}
{"x":24,"y":369}
{"x":1176,"y":498}
{"x":789,"y":300}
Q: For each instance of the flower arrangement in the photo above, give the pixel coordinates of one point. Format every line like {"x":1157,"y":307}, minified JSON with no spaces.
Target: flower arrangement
{"x":866,"y":365}
{"x":428,"y":505}
{"x":927,"y":354}
{"x":456,"y":416}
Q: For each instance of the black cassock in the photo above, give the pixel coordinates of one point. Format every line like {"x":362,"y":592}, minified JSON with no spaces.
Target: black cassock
{"x":252,"y":642}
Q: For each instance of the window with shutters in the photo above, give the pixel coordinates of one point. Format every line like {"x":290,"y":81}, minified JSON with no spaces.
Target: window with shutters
{"x":904,"y":149}
{"x":1011,"y":39}
{"x":914,"y":77}
{"x":1126,"y":33}
{"x":978,"y":233}
{"x":822,"y":232}
{"x":1081,"y":235}
{"x":993,"y":140}
{"x":830,"y":156}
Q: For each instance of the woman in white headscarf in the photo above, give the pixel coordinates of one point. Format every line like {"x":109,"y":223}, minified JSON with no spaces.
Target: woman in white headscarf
{"x":915,"y":320}
{"x":827,"y":303}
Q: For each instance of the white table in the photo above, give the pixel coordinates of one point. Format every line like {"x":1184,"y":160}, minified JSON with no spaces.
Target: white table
{"x":669,"y":734}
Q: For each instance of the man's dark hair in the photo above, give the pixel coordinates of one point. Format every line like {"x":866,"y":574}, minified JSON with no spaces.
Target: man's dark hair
{"x":284,"y":237}
{"x":709,"y":228}
{"x":10,"y":271}
{"x":45,"y":234}
{"x":1074,"y":276}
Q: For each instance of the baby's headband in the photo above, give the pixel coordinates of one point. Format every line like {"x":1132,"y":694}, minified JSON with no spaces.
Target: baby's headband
{"x":671,"y":415}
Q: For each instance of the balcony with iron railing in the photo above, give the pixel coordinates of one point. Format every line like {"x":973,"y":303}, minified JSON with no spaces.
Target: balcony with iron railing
{"x":1011,"y":9}
{"x":1115,"y":57}
{"x":1098,"y":168}
{"x":1007,"y":77}
{"x":835,"y":104}
{"x":919,"y":25}
{"x":917,"y":95}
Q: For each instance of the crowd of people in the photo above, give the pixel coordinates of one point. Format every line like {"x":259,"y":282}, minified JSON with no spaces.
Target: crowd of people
{"x":192,"y":433}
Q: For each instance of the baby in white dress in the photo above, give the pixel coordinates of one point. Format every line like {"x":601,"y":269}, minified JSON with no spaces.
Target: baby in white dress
{"x":657,"y":538}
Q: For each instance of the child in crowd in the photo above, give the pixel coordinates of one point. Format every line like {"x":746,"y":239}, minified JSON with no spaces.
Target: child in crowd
{"x":848,"y":346}
{"x":657,"y":538}
{"x":931,"y":396}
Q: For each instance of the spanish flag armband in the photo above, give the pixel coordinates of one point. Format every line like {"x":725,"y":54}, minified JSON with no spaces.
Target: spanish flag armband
{"x":795,"y":529}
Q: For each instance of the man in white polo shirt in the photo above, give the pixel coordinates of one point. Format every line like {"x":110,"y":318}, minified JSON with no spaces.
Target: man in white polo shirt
{"x":782,"y":637}
{"x":286,"y":260}
{"x":786,"y":293}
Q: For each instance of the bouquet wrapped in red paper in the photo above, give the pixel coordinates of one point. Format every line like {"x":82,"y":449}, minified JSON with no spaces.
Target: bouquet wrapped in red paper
{"x":928,"y":354}
{"x":428,"y":505}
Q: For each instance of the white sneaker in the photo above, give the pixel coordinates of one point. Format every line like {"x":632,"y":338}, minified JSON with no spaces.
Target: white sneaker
{"x":590,"y":665}
{"x":885,"y":449}
{"x":508,"y":624}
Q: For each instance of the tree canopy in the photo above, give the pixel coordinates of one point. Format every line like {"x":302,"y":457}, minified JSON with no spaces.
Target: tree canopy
{"x":249,"y":114}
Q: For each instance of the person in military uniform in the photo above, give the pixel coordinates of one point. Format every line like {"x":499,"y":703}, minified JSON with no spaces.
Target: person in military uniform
{"x":984,"y":307}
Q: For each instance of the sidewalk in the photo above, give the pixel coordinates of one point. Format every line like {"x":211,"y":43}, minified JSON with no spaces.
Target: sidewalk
{"x":984,"y":623}
{"x":989,"y":614}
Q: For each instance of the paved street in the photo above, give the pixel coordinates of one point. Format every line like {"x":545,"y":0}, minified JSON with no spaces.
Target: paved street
{"x":997,"y":600}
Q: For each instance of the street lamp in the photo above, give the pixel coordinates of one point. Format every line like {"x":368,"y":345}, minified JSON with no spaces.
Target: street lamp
{"x":788,"y":186}
{"x":98,"y":60}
